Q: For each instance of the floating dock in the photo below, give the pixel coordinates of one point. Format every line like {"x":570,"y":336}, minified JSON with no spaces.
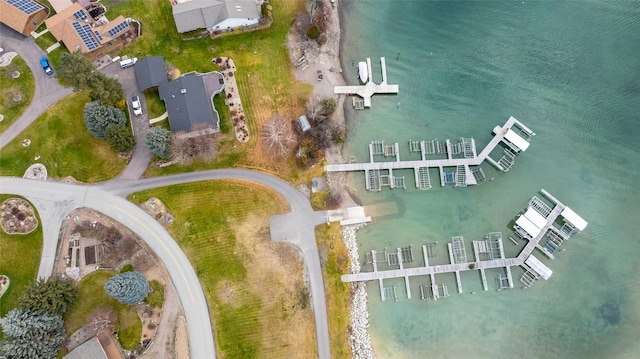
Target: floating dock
{"x":460,"y":167}
{"x":370,"y":88}
{"x":488,"y":253}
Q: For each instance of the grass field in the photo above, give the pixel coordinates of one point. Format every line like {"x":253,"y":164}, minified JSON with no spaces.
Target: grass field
{"x":91,"y":298}
{"x":331,"y":246}
{"x":19,"y":260}
{"x":155,"y":106}
{"x":65,"y":147}
{"x":46,"y":40}
{"x":257,"y":300}
{"x":265,"y":75}
{"x":24,"y":86}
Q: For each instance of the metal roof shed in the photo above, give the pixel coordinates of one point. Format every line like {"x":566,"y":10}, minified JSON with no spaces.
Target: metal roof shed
{"x":515,"y":139}
{"x":538,"y":267}
{"x":525,"y":223}
{"x":535,"y":217}
{"x":575,"y":220}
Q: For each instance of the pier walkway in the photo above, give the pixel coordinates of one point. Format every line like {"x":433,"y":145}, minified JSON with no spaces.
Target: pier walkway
{"x":367,"y":90}
{"x":491,"y":247}
{"x":513,"y":134}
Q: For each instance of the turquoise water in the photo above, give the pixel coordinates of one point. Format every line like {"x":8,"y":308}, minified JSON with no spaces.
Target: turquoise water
{"x":571,"y":72}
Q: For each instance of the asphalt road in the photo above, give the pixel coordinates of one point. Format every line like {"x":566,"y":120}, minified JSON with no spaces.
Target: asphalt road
{"x":55,"y":201}
{"x":48,"y":90}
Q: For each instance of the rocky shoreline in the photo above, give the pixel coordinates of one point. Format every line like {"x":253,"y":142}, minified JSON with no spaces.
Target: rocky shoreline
{"x":359,"y":337}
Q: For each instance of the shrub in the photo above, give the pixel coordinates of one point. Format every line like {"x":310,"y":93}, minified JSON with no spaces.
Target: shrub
{"x":313,"y":32}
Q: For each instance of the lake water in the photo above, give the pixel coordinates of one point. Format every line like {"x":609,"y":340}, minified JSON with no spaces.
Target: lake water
{"x":570,"y":71}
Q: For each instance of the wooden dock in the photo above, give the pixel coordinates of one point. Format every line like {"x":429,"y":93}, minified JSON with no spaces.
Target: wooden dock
{"x":513,"y":134}
{"x":457,"y":257}
{"x":369,"y":89}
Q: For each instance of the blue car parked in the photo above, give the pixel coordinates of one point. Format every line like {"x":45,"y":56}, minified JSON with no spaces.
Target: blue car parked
{"x":44,"y":62}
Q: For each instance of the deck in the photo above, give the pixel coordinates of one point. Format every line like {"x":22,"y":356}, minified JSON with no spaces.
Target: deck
{"x":468,"y":157}
{"x":492,"y":247}
{"x":369,"y":89}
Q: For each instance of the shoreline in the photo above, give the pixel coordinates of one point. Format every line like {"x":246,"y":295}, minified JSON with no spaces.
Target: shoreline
{"x":326,"y":60}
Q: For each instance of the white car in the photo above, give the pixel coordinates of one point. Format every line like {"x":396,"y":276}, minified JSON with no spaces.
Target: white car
{"x":135,"y":103}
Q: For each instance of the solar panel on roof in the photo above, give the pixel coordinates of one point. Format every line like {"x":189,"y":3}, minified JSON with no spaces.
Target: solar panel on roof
{"x":26,"y":6}
{"x":79,"y":15}
{"x":116,"y":29}
{"x":97,"y":35}
{"x":84,"y":31}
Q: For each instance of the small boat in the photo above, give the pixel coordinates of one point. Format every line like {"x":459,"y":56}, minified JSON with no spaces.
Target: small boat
{"x":363,"y":71}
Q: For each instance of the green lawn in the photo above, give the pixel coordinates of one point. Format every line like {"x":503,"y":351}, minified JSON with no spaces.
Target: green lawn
{"x":46,"y":40}
{"x":19,"y":260}
{"x":65,"y":147}
{"x":265,"y":76}
{"x":206,"y":218}
{"x":92,"y":297}
{"x":24,"y":87}
{"x":155,"y":106}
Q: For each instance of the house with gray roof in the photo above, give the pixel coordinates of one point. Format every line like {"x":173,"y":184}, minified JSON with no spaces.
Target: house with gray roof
{"x":150,"y":72}
{"x":215,"y":15}
{"x":90,"y":349}
{"x":189,"y":101}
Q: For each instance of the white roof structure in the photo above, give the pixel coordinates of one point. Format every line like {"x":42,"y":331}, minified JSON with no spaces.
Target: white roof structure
{"x":571,"y":217}
{"x":535,"y":217}
{"x":528,"y":226}
{"x":518,"y":141}
{"x":539,"y":267}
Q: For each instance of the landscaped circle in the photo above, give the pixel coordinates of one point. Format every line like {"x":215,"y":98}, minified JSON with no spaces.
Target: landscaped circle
{"x":17,"y":217}
{"x":15,"y":74}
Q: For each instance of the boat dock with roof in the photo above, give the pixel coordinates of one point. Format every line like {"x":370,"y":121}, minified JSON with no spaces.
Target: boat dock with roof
{"x":460,"y":166}
{"x":370,"y":88}
{"x":548,"y":221}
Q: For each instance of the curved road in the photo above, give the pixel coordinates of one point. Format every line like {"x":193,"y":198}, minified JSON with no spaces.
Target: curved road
{"x":56,"y":200}
{"x":48,"y":90}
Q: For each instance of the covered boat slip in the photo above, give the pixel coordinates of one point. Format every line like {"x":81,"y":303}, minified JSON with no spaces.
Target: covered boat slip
{"x":536,"y":223}
{"x":458,"y":162}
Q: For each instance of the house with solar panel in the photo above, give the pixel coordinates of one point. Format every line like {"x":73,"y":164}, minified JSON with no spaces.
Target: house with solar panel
{"x":24,"y":16}
{"x":214,"y":15}
{"x":79,"y":31}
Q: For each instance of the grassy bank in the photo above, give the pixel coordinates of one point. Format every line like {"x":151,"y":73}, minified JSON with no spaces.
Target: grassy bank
{"x":19,"y":260}
{"x":258,"y":303}
{"x":92,"y":298}
{"x":60,"y":139}
{"x":24,"y":87}
{"x":336,"y":260}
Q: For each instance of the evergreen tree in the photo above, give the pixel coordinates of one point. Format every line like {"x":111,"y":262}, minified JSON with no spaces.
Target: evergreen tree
{"x":30,"y":335}
{"x":158,"y":139}
{"x":106,"y":90}
{"x":76,"y":70}
{"x":119,"y":138}
{"x":51,"y":296}
{"x":128,"y":287}
{"x":97,"y":117}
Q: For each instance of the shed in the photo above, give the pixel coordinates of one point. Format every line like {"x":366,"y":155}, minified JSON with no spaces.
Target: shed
{"x":150,"y":72}
{"x":304,"y":123}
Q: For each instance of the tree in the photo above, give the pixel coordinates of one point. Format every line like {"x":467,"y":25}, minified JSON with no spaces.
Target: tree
{"x":157,"y":139}
{"x":97,"y":117}
{"x":51,"y":296}
{"x":276,"y":137}
{"x":31,"y":335}
{"x":106,"y":90}
{"x":75,"y":70}
{"x":200,"y":143}
{"x":128,"y":287}
{"x":119,"y":138}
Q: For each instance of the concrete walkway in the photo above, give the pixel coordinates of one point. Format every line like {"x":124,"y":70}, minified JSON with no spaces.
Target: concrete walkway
{"x":159,"y":118}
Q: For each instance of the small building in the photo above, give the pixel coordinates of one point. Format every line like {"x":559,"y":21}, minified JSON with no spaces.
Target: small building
{"x":214,"y":15}
{"x":78,"y":31}
{"x":304,"y":123}
{"x":24,"y":16}
{"x":189,"y":101}
{"x":539,"y":267}
{"x":150,"y":72}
